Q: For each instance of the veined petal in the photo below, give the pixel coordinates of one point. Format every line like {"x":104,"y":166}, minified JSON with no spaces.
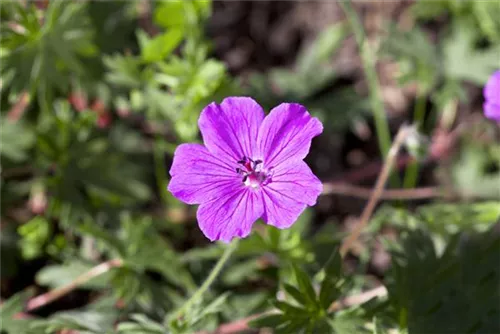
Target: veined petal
{"x":230,"y":216}
{"x":286,"y":134}
{"x":230,"y":129}
{"x":292,"y":189}
{"x":198,"y":176}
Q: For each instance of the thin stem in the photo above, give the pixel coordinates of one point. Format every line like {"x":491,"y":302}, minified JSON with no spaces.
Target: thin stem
{"x":381,"y":124}
{"x":378,"y":190}
{"x":57,"y":293}
{"x":411,"y":173}
{"x":210,"y":279}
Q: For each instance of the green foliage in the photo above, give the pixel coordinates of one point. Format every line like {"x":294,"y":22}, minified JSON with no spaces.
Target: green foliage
{"x":439,"y":69}
{"x":481,"y":15}
{"x":88,"y":169}
{"x":16,"y":140}
{"x":442,"y":219}
{"x":476,"y":170}
{"x":42,"y":56}
{"x":10,"y":308}
{"x":460,"y":48}
{"x":35,"y":235}
{"x":95,"y":96}
{"x":417,"y":57}
{"x":163,"y":84}
{"x":464,"y":272}
{"x":310,"y":83}
{"x":305,"y":310}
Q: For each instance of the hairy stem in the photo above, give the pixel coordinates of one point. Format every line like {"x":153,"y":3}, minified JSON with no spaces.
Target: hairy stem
{"x":210,"y":279}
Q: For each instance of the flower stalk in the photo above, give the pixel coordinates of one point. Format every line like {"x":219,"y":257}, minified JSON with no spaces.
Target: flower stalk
{"x":210,"y":279}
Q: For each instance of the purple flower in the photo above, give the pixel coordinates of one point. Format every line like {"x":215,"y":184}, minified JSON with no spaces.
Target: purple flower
{"x":251,"y":167}
{"x":492,"y":97}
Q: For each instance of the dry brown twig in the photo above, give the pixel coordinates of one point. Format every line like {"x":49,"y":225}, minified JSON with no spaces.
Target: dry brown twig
{"x":57,"y":293}
{"x":401,"y":136}
{"x":18,"y":109}
{"x":388,"y":194}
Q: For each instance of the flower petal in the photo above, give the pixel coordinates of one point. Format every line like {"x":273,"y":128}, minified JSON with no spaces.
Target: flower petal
{"x":198,"y":176}
{"x":492,"y":110}
{"x":292,"y":189}
{"x":230,"y":129}
{"x":491,"y":90}
{"x":230,"y":216}
{"x":286,"y":134}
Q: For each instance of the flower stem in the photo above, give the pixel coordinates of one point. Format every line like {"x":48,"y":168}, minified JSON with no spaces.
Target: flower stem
{"x":210,"y":279}
{"x":381,"y":124}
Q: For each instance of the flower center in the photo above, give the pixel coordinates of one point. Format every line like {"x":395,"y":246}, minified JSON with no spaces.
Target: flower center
{"x":254,"y":175}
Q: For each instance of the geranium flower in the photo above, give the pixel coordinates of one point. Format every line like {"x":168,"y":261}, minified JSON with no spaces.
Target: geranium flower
{"x":492,"y":97}
{"x":251,"y":167}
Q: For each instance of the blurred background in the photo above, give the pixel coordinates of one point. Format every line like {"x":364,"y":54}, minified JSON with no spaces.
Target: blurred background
{"x":96,"y":96}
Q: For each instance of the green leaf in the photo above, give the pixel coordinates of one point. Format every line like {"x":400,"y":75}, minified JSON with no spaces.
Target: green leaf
{"x":50,"y":52}
{"x":329,"y":291}
{"x":453,"y":285}
{"x":142,"y":324}
{"x":216,"y":305}
{"x":16,"y":139}
{"x":124,"y":71}
{"x":12,"y":306}
{"x":293,"y":325}
{"x":487,"y":14}
{"x":88,"y":321}
{"x":241,"y":272}
{"x":305,"y":285}
{"x":290,"y":310}
{"x":169,"y":14}
{"x":334,"y":265}
{"x":35,"y":234}
{"x":55,"y":276}
{"x":438,"y":8}
{"x":323,"y":47}
{"x":459,"y":50}
{"x":470,"y":173}
{"x":347,"y":324}
{"x":417,"y":57}
{"x":268,"y":320}
{"x":160,"y":46}
{"x":295,"y":294}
